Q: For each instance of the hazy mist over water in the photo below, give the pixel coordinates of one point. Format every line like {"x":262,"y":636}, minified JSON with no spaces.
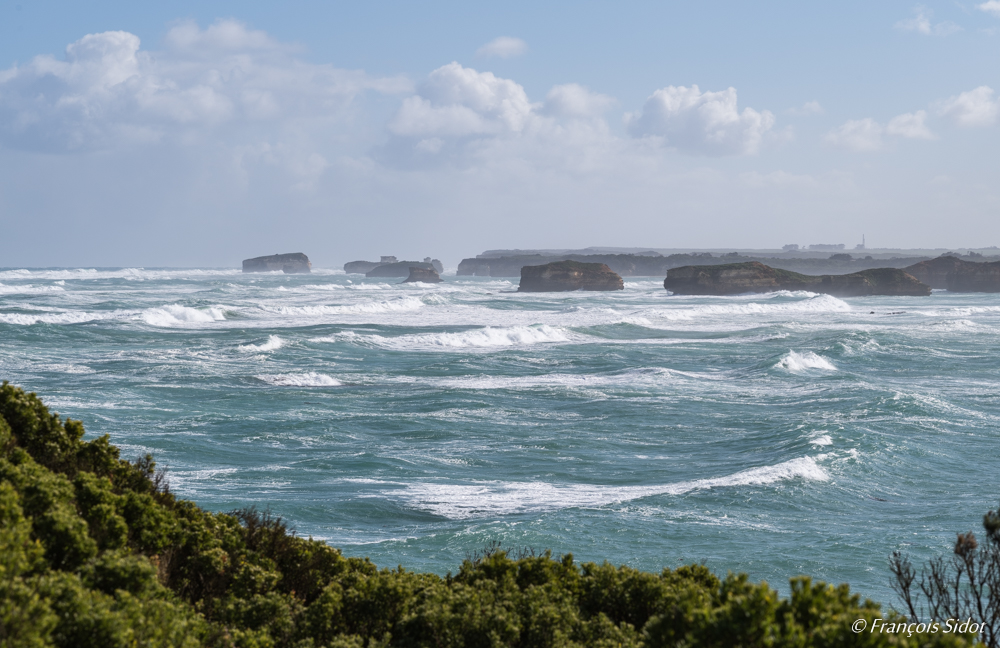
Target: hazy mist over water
{"x":775,"y":434}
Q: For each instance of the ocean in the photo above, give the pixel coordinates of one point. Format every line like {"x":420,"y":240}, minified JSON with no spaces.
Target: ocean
{"x":778,"y":434}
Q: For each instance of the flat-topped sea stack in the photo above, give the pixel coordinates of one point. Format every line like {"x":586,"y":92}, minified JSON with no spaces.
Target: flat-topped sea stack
{"x":423,"y":275}
{"x":360,"y":267}
{"x":755,"y":277}
{"x":291,"y":263}
{"x":562,"y":276}
{"x":975,"y":277}
{"x":397,"y":269}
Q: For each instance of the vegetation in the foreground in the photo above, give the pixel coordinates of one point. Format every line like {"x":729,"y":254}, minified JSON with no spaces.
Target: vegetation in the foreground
{"x":95,"y":551}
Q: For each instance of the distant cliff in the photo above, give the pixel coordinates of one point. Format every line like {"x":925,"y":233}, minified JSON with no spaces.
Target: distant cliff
{"x":975,"y":277}
{"x":563,"y":276}
{"x":755,"y":277}
{"x":637,"y":265}
{"x":291,"y":263}
{"x":958,"y":275}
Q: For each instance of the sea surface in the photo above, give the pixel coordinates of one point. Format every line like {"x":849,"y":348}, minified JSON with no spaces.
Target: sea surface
{"x":778,"y":434}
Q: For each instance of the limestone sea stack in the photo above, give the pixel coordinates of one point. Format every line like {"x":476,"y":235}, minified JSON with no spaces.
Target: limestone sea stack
{"x":423,"y":275}
{"x":397,"y":269}
{"x":360,"y":267}
{"x":975,"y":277}
{"x":755,"y":277}
{"x":569,"y":275}
{"x":291,"y":263}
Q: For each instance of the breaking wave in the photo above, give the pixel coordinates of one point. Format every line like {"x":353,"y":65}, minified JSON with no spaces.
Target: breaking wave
{"x":177,"y":315}
{"x":310,"y":379}
{"x":273,"y":344}
{"x":485,"y":338}
{"x":458,"y":501}
{"x":797,"y":363}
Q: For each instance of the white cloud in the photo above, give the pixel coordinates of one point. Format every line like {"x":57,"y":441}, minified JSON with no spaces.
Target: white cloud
{"x":109,"y":93}
{"x":503,"y":47}
{"x":993,"y":7}
{"x":456,"y":101}
{"x":921,"y":23}
{"x":707,"y":123}
{"x":910,"y":125}
{"x":574,"y":100}
{"x":808,"y":108}
{"x":973,"y":108}
{"x":857,"y":135}
{"x":223,"y":35}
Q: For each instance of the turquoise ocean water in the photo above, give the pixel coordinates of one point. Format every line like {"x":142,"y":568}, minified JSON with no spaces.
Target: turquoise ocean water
{"x":775,"y":434}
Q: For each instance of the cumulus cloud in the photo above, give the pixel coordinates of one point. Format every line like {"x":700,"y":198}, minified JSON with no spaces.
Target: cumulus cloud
{"x":993,"y":7}
{"x":973,"y":108}
{"x":503,"y":47}
{"x":707,"y":123}
{"x":910,"y":125}
{"x":921,"y":23}
{"x":857,"y":135}
{"x":109,"y":93}
{"x":457,"y":101}
{"x":574,"y":100}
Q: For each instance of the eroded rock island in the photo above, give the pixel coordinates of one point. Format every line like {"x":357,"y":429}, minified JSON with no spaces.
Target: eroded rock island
{"x":397,"y":269}
{"x":291,"y":263}
{"x":563,"y":276}
{"x":423,"y":275}
{"x":755,"y":277}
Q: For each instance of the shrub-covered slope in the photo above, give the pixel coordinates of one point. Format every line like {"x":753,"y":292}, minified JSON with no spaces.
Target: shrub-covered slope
{"x":95,"y":551}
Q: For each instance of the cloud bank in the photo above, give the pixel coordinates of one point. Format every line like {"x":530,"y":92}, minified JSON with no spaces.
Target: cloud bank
{"x":227,"y":138}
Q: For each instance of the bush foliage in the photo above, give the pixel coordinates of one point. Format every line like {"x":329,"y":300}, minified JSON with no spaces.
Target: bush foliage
{"x":96,"y":552}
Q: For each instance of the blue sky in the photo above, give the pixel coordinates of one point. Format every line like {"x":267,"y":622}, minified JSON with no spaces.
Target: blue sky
{"x":201,"y":133}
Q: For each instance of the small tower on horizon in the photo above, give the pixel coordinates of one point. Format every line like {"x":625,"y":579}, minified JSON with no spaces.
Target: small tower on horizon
{"x":861,"y":245}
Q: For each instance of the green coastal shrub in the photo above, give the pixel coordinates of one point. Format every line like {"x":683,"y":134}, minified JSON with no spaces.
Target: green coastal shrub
{"x":95,"y":551}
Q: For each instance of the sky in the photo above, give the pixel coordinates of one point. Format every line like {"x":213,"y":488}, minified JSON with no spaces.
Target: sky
{"x":199,"y":134}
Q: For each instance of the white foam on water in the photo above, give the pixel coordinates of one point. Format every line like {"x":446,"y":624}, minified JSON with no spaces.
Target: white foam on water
{"x":484,"y":338}
{"x":804,"y":362}
{"x":273,"y":344}
{"x":495,"y":498}
{"x":177,"y":315}
{"x":27,"y":319}
{"x":812,"y":303}
{"x":29,"y":289}
{"x":388,"y":306}
{"x":822,"y":440}
{"x":122,"y":273}
{"x":633,"y":378}
{"x":310,"y":379}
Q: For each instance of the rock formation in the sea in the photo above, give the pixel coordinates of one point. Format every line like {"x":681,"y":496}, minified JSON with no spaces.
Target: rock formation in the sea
{"x":291,"y":263}
{"x":755,"y":277}
{"x":360,"y":267}
{"x":934,"y":272}
{"x":397,"y":269}
{"x":975,"y":277}
{"x":569,"y":275}
{"x":423,"y":275}
{"x":656,"y":265}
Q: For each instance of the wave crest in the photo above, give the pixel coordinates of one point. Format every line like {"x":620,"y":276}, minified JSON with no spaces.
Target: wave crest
{"x":485,"y":499}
